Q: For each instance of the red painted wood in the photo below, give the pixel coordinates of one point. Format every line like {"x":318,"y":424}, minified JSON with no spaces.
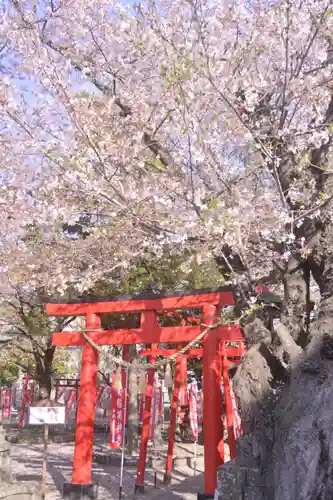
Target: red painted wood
{"x":181,"y":302}
{"x":183,"y":379}
{"x":173,"y":417}
{"x":213,"y":427}
{"x":86,"y":410}
{"x":140,"y":476}
{"x":150,"y":333}
{"x":149,"y":319}
{"x":228,"y":402}
{"x":158,"y":335}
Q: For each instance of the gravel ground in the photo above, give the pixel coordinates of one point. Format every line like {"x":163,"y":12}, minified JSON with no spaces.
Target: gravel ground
{"x":27,"y":466}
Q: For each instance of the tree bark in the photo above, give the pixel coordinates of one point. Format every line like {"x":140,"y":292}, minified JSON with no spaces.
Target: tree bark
{"x":44,"y":371}
{"x":284,"y":388}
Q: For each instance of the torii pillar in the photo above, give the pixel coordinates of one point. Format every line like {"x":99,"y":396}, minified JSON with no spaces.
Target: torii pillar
{"x":82,"y":483}
{"x":212,"y":405}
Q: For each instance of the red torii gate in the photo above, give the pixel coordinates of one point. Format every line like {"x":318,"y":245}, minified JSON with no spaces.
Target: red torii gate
{"x":225,"y":353}
{"x":150,"y":332}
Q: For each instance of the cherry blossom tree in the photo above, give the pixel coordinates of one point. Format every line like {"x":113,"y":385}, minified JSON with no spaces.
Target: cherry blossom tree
{"x":28,"y":333}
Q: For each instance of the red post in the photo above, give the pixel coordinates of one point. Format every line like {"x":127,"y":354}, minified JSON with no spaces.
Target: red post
{"x":148,"y":321}
{"x":173,"y":417}
{"x":140,"y":476}
{"x":213,"y":427}
{"x":86,"y":409}
{"x":183,"y":379}
{"x":228,"y":403}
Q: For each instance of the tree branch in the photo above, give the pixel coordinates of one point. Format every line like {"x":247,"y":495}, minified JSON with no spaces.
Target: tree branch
{"x":289,"y":345}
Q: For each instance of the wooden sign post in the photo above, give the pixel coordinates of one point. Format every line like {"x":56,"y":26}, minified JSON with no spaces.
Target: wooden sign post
{"x":46,"y":412}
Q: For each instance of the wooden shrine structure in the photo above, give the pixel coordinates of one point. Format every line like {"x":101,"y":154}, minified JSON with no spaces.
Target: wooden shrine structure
{"x":209,"y":302}
{"x":227,"y":356}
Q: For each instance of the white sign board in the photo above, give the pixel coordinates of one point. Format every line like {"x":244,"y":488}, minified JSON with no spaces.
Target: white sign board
{"x":40,"y":415}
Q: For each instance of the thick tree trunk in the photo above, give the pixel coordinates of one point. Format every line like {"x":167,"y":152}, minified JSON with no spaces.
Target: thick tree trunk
{"x":284,"y":389}
{"x":302,"y":458}
{"x":44,"y":371}
{"x":296,"y":313}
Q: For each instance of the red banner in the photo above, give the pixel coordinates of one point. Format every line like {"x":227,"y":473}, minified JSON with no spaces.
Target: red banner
{"x":70,"y":402}
{"x":194,"y":410}
{"x":117,"y":409}
{"x":200,"y":406}
{"x":60,"y":392}
{"x":7,"y":403}
{"x":183,"y":396}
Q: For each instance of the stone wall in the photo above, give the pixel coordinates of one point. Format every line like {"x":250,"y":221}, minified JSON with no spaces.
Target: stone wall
{"x":236,"y":482}
{"x":8,"y":489}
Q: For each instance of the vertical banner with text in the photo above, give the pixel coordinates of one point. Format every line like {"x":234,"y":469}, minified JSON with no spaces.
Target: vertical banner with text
{"x":117,"y":408}
{"x":7,"y":402}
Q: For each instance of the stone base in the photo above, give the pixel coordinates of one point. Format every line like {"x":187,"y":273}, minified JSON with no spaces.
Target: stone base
{"x":73,"y":491}
{"x":139,"y":488}
{"x":235,"y":482}
{"x":20,"y":492}
{"x":204,"y":496}
{"x":167,"y":479}
{"x":114,"y":459}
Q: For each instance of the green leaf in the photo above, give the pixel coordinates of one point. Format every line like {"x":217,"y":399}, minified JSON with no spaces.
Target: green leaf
{"x":213,"y":203}
{"x":155,"y":165}
{"x":164,"y":69}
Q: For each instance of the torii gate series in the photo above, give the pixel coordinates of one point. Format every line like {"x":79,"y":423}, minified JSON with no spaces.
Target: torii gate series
{"x":150,"y":332}
{"x":236,"y":353}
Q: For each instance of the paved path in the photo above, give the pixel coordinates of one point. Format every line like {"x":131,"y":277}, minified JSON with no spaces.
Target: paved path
{"x":27,"y":466}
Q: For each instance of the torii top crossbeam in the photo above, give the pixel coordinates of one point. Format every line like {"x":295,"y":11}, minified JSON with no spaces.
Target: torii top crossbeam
{"x":150,"y":332}
{"x":222,"y":296}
